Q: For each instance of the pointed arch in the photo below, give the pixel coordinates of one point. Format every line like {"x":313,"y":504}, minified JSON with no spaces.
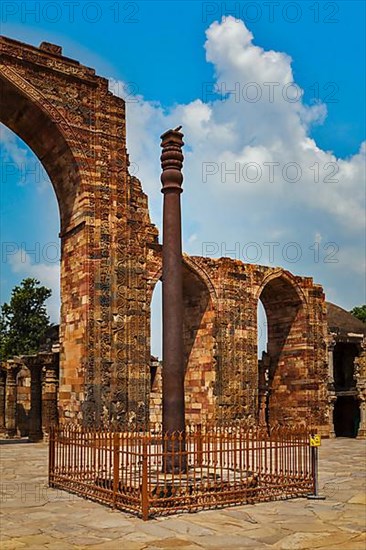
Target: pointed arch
{"x":284,"y":365}
{"x":285,"y":276}
{"x":42,"y":127}
{"x":38,"y":116}
{"x":199,"y":337}
{"x":193,"y":266}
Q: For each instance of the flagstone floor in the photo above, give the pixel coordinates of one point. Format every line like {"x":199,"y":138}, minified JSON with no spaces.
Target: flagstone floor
{"x":34,"y":516}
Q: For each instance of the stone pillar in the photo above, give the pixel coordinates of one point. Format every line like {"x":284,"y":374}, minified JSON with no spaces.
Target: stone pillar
{"x":263,"y":389}
{"x":360,"y":376}
{"x":362,"y":428}
{"x":331,"y":346}
{"x":35,"y":414}
{"x":50,"y":393}
{"x":332,"y":398}
{"x":2,"y":398}
{"x":11,"y":399}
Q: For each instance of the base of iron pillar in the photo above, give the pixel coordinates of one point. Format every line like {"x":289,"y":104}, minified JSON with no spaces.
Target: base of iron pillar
{"x":175,"y":458}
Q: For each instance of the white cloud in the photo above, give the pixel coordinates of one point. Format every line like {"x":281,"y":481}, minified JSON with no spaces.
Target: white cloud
{"x":226,"y":135}
{"x":192,"y":238}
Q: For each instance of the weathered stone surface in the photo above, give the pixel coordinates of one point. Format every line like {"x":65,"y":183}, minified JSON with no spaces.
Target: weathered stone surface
{"x":33,"y":517}
{"x":360,"y":498}
{"x":111,"y":262}
{"x":66,"y":114}
{"x":301,"y":541}
{"x":221,"y":381}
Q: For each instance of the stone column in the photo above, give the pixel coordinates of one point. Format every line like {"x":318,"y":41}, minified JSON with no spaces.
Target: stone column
{"x":261,"y":395}
{"x":332,"y":398}
{"x":2,"y":398}
{"x":35,"y":414}
{"x":331,"y":346}
{"x":50,"y":392}
{"x":362,"y":428}
{"x":360,"y":375}
{"x":263,"y":389}
{"x":11,"y":399}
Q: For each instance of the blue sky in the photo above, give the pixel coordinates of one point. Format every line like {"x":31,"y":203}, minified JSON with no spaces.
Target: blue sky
{"x":157,"y":46}
{"x":157,"y":49}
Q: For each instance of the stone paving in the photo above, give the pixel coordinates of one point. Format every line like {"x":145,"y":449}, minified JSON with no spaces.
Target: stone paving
{"x":34,"y":516}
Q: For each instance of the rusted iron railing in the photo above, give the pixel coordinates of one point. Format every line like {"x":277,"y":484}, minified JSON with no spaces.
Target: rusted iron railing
{"x":221,"y":466}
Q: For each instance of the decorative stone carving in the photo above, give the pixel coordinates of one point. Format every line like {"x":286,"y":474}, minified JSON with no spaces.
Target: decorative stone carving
{"x":2,"y":397}
{"x":11,"y":398}
{"x":111,"y":260}
{"x":49,"y":392}
{"x":51,"y":48}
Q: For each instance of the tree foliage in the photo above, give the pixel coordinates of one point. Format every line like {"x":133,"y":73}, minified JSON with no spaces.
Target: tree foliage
{"x":24,"y":320}
{"x":360,"y":312}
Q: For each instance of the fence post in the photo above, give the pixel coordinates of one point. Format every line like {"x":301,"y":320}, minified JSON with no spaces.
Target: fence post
{"x":144,"y":484}
{"x":51,"y":456}
{"x":115,"y":467}
{"x":314,"y":446}
{"x":199,"y":445}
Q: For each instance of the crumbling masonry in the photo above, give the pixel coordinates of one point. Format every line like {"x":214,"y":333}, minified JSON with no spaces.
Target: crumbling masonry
{"x":111,"y":262}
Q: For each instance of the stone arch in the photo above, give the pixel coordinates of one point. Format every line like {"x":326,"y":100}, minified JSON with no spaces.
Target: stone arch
{"x":54,"y":104}
{"x":195,"y":267}
{"x":199,"y":333}
{"x":41,"y":126}
{"x":285,"y":366}
{"x":30,"y":115}
{"x":203,"y":275}
{"x":286,"y":276}
{"x":346,"y":413}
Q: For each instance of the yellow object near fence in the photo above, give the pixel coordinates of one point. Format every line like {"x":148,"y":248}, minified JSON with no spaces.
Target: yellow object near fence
{"x":315,"y":440}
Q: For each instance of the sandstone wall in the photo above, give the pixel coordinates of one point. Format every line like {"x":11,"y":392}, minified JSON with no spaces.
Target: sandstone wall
{"x":111,"y":261}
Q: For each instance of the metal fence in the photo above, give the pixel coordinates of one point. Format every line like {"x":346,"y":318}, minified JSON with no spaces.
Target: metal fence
{"x":215,"y":466}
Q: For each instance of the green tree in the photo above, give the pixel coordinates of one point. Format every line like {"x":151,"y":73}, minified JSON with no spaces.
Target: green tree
{"x":359,"y":312}
{"x":24,"y":320}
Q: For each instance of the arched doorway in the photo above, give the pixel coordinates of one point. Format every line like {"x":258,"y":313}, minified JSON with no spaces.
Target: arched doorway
{"x":199,"y":347}
{"x":30,"y":222}
{"x":282,"y":365}
{"x":344,"y":356}
{"x":30,"y":225}
{"x":263,"y":364}
{"x":33,"y":119}
{"x":155,"y":401}
{"x":199,"y":331}
{"x":346,"y":414}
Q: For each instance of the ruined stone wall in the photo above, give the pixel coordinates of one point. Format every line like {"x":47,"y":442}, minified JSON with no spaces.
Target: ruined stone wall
{"x":222,"y":364}
{"x":199,"y":326}
{"x":111,"y":261}
{"x":67,"y":116}
{"x":156,"y":391}
{"x":199,"y":350}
